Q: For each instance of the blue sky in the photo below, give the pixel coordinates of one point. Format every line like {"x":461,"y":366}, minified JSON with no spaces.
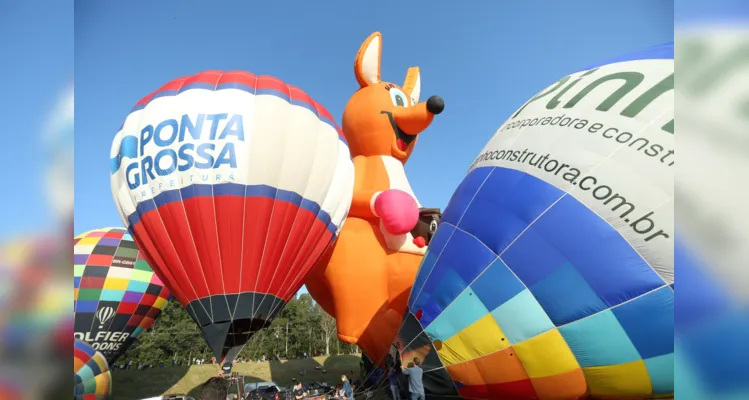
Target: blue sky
{"x":485,"y":61}
{"x":37,"y":49}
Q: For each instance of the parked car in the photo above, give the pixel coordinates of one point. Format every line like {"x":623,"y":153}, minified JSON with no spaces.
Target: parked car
{"x":257,"y":385}
{"x":268,"y":393}
{"x":319,"y":391}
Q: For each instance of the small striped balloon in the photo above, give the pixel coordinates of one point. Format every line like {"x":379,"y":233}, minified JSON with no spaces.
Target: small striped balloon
{"x":92,"y":379}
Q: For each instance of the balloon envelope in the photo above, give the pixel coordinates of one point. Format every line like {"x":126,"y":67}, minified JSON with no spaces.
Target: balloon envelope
{"x":232,"y":185}
{"x":92,"y":379}
{"x":117,"y":296}
{"x":551,"y":274}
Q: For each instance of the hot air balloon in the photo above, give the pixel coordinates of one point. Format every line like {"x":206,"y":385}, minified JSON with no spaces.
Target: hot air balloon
{"x":93,"y":380}
{"x":117,"y":296}
{"x":551,"y":274}
{"x":232,"y":186}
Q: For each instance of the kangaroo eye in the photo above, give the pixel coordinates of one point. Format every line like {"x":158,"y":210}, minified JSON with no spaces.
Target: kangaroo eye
{"x":433,"y":227}
{"x":399,"y":98}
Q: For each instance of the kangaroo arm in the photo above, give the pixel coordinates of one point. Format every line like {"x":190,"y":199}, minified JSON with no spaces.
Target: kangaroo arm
{"x":362,"y":204}
{"x":366,"y":172}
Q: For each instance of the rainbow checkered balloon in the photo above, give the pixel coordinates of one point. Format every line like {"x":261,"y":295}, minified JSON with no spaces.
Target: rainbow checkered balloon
{"x":117,"y":295}
{"x":93,"y":380}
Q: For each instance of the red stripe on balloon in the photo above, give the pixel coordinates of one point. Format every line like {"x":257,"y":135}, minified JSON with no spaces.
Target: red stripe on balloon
{"x":212,"y":248}
{"x":509,"y":390}
{"x":258,"y":82}
{"x":149,"y":235}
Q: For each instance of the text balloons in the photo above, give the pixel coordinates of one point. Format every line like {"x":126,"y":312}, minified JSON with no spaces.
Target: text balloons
{"x":116,"y":294}
{"x":232,"y":185}
{"x":93,"y":380}
{"x":551,"y":274}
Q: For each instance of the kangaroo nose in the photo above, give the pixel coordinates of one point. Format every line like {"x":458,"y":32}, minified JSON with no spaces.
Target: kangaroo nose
{"x":435,"y":105}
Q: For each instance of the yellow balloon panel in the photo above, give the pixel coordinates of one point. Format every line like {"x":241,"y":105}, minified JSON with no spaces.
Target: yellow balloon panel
{"x":629,"y":379}
{"x":546,"y":355}
{"x":477,"y":340}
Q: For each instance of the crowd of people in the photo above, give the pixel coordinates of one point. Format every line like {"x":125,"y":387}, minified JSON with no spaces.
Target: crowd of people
{"x":217,"y":389}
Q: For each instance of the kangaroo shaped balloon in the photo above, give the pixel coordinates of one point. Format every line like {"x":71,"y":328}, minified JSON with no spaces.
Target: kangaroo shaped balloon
{"x":365,"y":281}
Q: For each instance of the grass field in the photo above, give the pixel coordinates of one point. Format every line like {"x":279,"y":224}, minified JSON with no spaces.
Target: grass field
{"x":140,"y":384}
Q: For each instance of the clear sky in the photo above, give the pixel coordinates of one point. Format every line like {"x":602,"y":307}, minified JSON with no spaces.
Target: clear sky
{"x":484,"y":58}
{"x":36,"y":43}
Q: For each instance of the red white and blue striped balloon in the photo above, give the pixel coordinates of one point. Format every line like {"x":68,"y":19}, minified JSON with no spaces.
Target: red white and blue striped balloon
{"x":232,"y":185}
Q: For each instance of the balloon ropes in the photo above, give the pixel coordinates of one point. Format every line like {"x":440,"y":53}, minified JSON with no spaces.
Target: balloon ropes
{"x":232,"y":185}
{"x":116,"y":294}
{"x":551,"y":274}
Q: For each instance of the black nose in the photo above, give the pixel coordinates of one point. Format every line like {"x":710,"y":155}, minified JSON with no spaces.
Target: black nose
{"x":435,"y":104}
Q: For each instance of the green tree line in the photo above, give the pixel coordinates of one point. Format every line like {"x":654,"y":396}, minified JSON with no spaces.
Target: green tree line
{"x":301,"y":327}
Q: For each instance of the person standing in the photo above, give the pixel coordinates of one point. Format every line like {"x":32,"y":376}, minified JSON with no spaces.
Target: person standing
{"x":415,"y":375}
{"x":299,"y":392}
{"x":348,"y":392}
{"x":394,"y":387}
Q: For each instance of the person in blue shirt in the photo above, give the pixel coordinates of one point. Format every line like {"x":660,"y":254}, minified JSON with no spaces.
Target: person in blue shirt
{"x":415,"y":383}
{"x":348,"y":392}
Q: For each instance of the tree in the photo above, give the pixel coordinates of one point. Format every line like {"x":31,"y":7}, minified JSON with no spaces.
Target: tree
{"x":328,"y":325}
{"x":301,"y":327}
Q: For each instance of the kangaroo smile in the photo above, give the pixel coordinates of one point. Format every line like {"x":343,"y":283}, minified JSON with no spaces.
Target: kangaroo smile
{"x":402,"y":139}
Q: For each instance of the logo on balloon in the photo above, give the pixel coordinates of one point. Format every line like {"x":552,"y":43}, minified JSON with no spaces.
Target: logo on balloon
{"x":605,"y":137}
{"x":104,"y":315}
{"x":178,"y":151}
{"x":105,"y":342}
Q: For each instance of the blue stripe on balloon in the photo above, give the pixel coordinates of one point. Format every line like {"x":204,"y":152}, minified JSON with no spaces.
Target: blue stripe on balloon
{"x":230,"y":189}
{"x":85,"y":373}
{"x":497,"y":285}
{"x":86,"y":306}
{"x":85,"y":347}
{"x":649,"y":322}
{"x":463,"y":195}
{"x":507,"y":203}
{"x":137,"y":286}
{"x":462,"y":313}
{"x":544,"y":238}
{"x":661,"y":372}
{"x":463,"y":259}
{"x":436,"y":245}
{"x":244,"y":88}
{"x":95,"y":368}
{"x":570,"y":232}
{"x":566,"y":296}
{"x":444,"y":287}
{"x":599,"y":340}
{"x":522,"y":318}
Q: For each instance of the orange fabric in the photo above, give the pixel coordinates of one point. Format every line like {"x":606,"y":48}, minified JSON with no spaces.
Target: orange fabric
{"x":361,"y":282}
{"x":504,"y":366}
{"x":569,"y":385}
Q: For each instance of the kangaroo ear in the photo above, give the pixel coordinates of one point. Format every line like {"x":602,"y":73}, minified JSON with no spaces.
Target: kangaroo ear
{"x":367,"y":64}
{"x":412,"y":84}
